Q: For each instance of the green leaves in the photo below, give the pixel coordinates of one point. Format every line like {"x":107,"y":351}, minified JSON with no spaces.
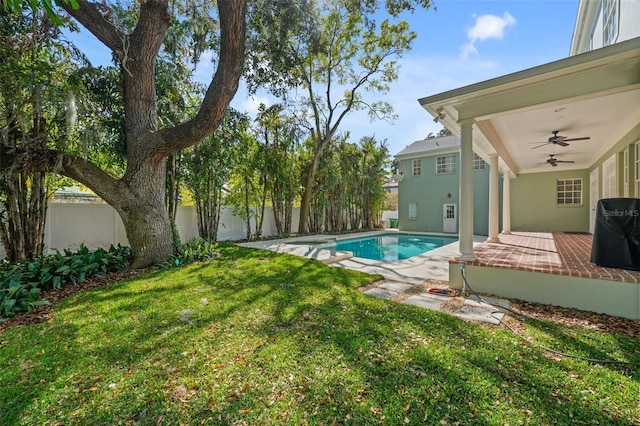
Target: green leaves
{"x":15,"y":6}
{"x":20,"y":284}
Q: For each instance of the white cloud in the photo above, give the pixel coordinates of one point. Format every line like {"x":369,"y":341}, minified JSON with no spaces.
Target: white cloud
{"x":251,"y":104}
{"x":486,"y":27}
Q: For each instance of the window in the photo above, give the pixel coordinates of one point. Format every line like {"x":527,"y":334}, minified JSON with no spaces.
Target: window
{"x":446,"y":164}
{"x":478,"y":162}
{"x":569,"y":191}
{"x":413,"y":210}
{"x":609,"y":21}
{"x":417,"y":168}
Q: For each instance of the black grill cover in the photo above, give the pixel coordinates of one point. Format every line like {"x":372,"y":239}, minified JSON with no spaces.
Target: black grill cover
{"x":616,"y":237}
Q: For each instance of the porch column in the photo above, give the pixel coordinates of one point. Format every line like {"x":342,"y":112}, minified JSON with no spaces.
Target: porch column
{"x":506,"y":202}
{"x":494,"y":201}
{"x":466,"y":192}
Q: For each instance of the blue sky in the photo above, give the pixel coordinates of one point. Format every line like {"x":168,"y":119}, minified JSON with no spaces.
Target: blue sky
{"x":460,"y":43}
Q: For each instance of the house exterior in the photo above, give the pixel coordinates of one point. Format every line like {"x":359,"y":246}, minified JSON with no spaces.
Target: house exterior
{"x":601,"y":23}
{"x":590,"y":102}
{"x":428,"y":193}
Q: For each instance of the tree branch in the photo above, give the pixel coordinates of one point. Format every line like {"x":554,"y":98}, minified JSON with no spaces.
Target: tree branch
{"x":77,"y":168}
{"x":96,"y":19}
{"x":223,"y":87}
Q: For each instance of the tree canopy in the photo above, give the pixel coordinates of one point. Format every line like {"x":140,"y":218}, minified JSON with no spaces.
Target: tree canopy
{"x":316,"y":46}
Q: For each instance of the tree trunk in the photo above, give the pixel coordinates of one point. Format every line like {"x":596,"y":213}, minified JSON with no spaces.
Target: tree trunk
{"x":247,"y":207}
{"x":22,"y":228}
{"x":145,"y":216}
{"x":263,"y":203}
{"x":149,"y":232}
{"x":173,"y":187}
{"x":309,"y":187}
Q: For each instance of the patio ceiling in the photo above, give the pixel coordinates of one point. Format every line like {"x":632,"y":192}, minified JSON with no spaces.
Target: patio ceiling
{"x":595,"y":94}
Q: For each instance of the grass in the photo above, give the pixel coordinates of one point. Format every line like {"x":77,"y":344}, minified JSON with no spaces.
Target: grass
{"x":276,"y":339}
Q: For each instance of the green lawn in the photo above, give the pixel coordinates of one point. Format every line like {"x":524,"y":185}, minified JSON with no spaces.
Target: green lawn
{"x":276,"y":339}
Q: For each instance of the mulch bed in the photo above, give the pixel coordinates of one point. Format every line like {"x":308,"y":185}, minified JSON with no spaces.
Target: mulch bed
{"x":565,"y":316}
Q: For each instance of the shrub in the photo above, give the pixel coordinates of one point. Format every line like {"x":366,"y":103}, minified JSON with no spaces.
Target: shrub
{"x":20,"y":284}
{"x":195,"y":250}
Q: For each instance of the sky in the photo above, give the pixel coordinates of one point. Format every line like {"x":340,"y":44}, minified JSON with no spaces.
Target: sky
{"x":459,"y":42}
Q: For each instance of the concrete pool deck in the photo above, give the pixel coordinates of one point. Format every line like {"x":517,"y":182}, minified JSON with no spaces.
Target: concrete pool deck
{"x":401,"y":277}
{"x":433,"y":264}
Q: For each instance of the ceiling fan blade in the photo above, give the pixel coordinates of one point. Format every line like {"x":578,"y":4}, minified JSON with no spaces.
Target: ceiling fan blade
{"x":535,"y":147}
{"x":562,"y":143}
{"x":564,"y":161}
{"x":577,"y":139}
{"x":554,"y":164}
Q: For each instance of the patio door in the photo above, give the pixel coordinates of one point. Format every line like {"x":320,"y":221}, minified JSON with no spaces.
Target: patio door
{"x":594,"y":196}
{"x":450,"y":218}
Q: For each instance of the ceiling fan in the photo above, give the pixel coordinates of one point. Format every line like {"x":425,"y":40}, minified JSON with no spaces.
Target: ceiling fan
{"x":553,"y":161}
{"x":559,"y":140}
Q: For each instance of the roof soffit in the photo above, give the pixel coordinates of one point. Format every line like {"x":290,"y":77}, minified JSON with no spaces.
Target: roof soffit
{"x":613,"y":78}
{"x":627,"y":51}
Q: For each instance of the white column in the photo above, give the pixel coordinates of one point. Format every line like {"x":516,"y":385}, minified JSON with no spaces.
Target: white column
{"x":506,"y":203}
{"x":466,"y":192}
{"x":494,"y":201}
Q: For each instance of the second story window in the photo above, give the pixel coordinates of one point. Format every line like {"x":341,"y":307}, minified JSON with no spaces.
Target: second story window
{"x":610,"y":21}
{"x":445,"y":164}
{"x":416,"y":168}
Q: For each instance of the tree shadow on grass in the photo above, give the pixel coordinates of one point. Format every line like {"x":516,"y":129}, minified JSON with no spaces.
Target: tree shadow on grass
{"x":281,"y":340}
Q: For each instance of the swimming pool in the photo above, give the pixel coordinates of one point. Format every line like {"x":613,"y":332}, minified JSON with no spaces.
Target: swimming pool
{"x":392,"y":246}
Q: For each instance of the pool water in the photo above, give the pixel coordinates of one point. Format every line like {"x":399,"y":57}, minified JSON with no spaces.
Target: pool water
{"x":392,"y":246}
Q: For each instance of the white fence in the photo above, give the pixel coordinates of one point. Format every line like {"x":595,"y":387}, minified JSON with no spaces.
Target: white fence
{"x":98,"y":225}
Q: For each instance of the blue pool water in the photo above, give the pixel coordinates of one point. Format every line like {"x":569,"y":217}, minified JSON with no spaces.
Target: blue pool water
{"x":392,"y":246}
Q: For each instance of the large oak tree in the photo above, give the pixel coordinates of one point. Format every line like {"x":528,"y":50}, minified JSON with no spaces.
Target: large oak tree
{"x":138,"y":195}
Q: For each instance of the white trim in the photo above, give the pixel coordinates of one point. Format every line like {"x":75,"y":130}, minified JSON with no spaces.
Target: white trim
{"x":609,"y":178}
{"x":494,"y":201}
{"x":625,"y":172}
{"x":594,"y":196}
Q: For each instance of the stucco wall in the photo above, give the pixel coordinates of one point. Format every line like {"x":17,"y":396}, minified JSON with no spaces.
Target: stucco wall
{"x":431,"y":191}
{"x":534,"y":207}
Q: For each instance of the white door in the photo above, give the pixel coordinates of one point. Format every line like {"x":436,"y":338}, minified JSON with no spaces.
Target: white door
{"x":450,"y":220}
{"x":594,"y":196}
{"x":609,"y":187}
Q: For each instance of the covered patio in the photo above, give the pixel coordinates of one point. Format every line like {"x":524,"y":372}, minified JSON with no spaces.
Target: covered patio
{"x":563,"y":135}
{"x":552,"y":268}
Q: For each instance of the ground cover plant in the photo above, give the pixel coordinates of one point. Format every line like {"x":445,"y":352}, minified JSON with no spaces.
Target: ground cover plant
{"x":254,"y":337}
{"x":20,"y":284}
